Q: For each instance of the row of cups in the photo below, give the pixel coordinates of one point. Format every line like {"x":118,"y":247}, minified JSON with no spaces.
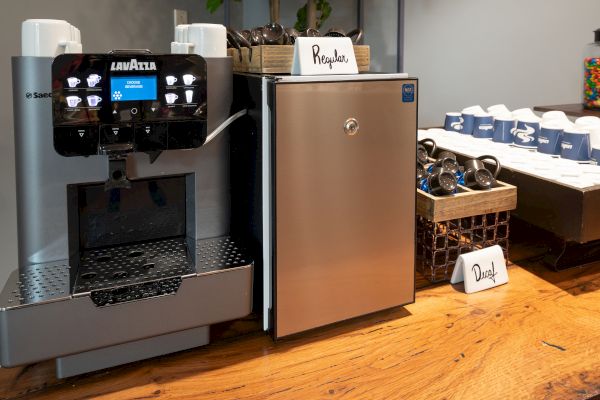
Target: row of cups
{"x":552,"y":134}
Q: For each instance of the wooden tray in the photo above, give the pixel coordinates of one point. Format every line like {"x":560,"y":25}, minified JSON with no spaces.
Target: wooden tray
{"x":466,"y":202}
{"x":277,"y":59}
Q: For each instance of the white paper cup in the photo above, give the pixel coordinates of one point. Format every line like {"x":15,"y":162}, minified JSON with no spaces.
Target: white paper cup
{"x":525,"y":113}
{"x":498,"y":109}
{"x":554,"y":116}
{"x":209,"y":40}
{"x":49,"y":38}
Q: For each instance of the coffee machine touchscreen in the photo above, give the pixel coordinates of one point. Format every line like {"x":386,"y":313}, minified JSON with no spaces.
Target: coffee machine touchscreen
{"x":132,"y":88}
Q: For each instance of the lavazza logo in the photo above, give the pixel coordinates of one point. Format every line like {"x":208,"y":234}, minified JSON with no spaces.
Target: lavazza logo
{"x":133,"y":65}
{"x":38,"y":95}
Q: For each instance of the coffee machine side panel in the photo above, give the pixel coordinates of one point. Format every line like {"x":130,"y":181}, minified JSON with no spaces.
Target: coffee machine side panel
{"x":41,"y":174}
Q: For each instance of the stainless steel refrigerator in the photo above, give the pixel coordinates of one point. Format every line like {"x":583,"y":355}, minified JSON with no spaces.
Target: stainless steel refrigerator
{"x":333,"y":212}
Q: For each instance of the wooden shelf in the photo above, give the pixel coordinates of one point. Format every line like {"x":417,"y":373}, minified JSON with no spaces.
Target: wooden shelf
{"x":574,"y":110}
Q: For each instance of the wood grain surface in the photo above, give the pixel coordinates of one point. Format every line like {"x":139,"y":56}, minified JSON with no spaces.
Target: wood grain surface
{"x":466,"y":202}
{"x":574,"y":110}
{"x":537,"y":337}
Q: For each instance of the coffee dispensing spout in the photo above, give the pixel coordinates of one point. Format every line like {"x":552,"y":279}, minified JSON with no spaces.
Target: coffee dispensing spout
{"x":117,"y":165}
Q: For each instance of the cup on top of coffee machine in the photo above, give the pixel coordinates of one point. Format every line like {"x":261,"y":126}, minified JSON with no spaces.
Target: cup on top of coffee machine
{"x":49,"y":38}
{"x":483,"y":126}
{"x":477,"y":176}
{"x":207,"y":40}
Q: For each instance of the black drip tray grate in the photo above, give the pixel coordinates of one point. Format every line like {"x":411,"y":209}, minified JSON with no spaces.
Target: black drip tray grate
{"x":133,"y":264}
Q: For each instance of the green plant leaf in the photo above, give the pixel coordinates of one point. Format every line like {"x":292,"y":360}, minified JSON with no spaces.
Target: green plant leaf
{"x":213,"y":5}
{"x":301,"y":21}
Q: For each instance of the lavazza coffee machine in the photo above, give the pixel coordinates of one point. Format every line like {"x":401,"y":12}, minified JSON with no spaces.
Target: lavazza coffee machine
{"x":141,"y":224}
{"x":123,"y":210}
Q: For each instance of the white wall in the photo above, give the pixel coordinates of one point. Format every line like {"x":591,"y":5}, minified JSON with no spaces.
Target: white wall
{"x":521,"y":53}
{"x":256,"y":13}
{"x":104,"y":25}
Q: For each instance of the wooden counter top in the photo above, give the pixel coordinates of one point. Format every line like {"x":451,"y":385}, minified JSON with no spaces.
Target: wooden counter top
{"x":537,"y":337}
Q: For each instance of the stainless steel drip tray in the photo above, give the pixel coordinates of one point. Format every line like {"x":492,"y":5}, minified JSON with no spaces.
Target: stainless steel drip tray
{"x":40,"y":319}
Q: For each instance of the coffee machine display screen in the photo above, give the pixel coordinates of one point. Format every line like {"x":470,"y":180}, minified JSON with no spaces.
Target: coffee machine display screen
{"x":133,"y":88}
{"x":152,"y":102}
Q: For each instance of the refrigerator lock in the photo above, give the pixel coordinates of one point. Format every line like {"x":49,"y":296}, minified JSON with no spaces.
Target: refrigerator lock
{"x":351,"y":126}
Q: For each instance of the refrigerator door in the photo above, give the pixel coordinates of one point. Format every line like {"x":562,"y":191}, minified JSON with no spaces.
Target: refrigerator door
{"x":344,"y":201}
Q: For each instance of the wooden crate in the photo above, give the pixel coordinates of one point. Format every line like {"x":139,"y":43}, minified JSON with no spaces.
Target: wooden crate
{"x":466,"y":202}
{"x":277,"y":59}
{"x":448,"y":226}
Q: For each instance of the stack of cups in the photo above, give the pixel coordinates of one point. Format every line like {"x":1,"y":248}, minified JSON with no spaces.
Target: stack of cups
{"x":527,"y":128}
{"x":592,"y":125}
{"x":553,"y":125}
{"x":49,"y":38}
{"x":207,"y":40}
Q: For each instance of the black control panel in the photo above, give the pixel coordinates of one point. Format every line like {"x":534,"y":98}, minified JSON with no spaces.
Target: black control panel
{"x":155,"y":102}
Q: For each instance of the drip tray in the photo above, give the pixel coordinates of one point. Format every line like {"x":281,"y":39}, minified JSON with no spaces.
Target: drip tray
{"x":131,"y":265}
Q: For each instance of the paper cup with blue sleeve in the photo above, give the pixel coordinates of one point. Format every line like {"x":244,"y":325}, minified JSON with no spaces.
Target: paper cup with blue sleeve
{"x":483,"y":126}
{"x":468,"y":115}
{"x":575,"y":144}
{"x":550,"y":137}
{"x":453,"y":122}
{"x":527,"y":132}
{"x":504,"y":126}
{"x":591,"y":124}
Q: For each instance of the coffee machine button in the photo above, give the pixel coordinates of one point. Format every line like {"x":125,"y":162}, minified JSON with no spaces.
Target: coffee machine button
{"x":76,"y":141}
{"x":110,"y":134}
{"x":151,"y":137}
{"x":186,"y":134}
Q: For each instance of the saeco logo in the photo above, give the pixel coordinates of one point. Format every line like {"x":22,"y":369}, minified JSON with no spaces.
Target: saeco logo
{"x":38,"y":95}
